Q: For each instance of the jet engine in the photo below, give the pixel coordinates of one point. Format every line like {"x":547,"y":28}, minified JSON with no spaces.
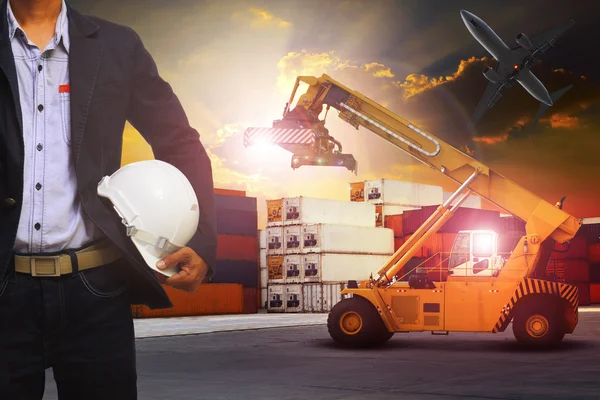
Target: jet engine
{"x":491,"y":75}
{"x":524,"y":41}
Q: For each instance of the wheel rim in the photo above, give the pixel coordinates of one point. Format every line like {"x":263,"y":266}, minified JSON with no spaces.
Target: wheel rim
{"x":351,"y":323}
{"x":537,"y":326}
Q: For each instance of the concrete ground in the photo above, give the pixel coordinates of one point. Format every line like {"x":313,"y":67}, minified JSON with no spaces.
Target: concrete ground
{"x":287,"y":362}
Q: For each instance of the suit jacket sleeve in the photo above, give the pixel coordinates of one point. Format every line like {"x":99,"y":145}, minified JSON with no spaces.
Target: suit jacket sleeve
{"x":155,"y":111}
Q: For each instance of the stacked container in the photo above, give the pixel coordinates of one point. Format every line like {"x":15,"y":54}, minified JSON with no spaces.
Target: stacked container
{"x":392,"y":197}
{"x":314,"y":246}
{"x":234,"y":288}
{"x":591,"y":230}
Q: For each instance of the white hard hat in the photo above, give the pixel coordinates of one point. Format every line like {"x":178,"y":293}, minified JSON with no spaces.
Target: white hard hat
{"x":157,"y":204}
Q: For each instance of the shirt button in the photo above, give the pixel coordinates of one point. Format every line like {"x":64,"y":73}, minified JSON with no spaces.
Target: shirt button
{"x":39,"y":67}
{"x":40,"y":107}
{"x":38,"y":186}
{"x":37,"y":226}
{"x":40,"y":147}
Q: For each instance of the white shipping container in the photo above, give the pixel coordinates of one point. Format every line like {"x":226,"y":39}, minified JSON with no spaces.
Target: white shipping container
{"x":473,"y":201}
{"x":274,"y":240}
{"x":275,"y":272}
{"x":264,"y":277}
{"x":327,"y":238}
{"x":292,"y":265}
{"x":263,"y":258}
{"x":262,"y":238}
{"x":292,"y":239}
{"x":276,"y":299}
{"x":321,"y":297}
{"x":308,"y":210}
{"x":293,"y":297}
{"x":264,"y":297}
{"x":327,"y":267}
{"x":388,"y":191}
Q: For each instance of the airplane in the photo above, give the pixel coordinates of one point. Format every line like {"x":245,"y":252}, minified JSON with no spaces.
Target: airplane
{"x":513,"y":64}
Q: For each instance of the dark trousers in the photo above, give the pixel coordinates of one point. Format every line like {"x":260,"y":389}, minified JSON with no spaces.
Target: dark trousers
{"x":80,"y":325}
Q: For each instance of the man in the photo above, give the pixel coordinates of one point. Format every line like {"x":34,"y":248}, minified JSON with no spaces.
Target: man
{"x":68,"y":84}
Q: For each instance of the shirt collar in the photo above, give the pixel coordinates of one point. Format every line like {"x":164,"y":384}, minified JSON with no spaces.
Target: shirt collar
{"x":61,"y":31}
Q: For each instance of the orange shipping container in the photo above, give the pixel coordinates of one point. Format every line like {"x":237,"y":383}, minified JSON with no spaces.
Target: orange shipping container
{"x":250,"y":306}
{"x":437,"y":243}
{"x":398,"y":242}
{"x":594,"y":253}
{"x":394,"y":222}
{"x":237,"y":248}
{"x":595,"y":293}
{"x":208,"y":299}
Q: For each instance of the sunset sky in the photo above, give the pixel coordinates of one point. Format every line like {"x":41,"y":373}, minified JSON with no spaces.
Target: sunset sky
{"x":233,"y":63}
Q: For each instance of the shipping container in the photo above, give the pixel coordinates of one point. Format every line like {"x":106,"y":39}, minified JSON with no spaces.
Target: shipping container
{"x":327,"y":238}
{"x":577,"y":270}
{"x":236,"y":203}
{"x":321,"y":297}
{"x":308,"y":210}
{"x":292,"y":265}
{"x":394,"y":222}
{"x":274,"y":240}
{"x":591,"y":231}
{"x":264,"y":297}
{"x":357,"y":191}
{"x":275,"y":269}
{"x":237,"y":222}
{"x":262,"y":258}
{"x":237,"y":248}
{"x":595,"y":272}
{"x":264,"y":277}
{"x":512,"y":224}
{"x":293,"y":298}
{"x":328,"y":267}
{"x":584,"y":293}
{"x":594,"y":293}
{"x":262,"y":238}
{"x":208,"y":299}
{"x":275,"y":212}
{"x":437,"y":243}
{"x":276,"y":298}
{"x":229,"y":192}
{"x":245,"y":273}
{"x":463,"y":219}
{"x":384,"y":210}
{"x":473,"y":201}
{"x":250,"y":306}
{"x":594,"y":253}
{"x":387,"y":191}
{"x":577,"y":248}
{"x":398,"y":242}
{"x":292,"y":236}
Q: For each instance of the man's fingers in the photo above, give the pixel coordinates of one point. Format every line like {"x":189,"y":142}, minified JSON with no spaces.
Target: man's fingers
{"x":179,"y":257}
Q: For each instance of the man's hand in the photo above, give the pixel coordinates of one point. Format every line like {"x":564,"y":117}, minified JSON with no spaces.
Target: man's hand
{"x":192,"y":267}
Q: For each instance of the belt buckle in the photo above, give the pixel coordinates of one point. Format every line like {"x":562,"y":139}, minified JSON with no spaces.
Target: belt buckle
{"x":55,"y":259}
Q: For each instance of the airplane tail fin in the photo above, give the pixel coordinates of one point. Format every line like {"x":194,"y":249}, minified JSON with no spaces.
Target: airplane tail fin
{"x":543,"y":107}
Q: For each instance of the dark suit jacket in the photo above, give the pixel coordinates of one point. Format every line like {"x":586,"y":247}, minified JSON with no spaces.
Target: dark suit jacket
{"x":113,"y":79}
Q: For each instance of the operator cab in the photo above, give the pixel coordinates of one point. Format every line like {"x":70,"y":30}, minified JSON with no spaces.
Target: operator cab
{"x":475,"y":253}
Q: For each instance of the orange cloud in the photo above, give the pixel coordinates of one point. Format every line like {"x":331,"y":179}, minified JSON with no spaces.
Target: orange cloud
{"x":379,"y":70}
{"x":564,"y":121}
{"x":259,"y":18}
{"x":418,"y":83}
{"x":492,"y":139}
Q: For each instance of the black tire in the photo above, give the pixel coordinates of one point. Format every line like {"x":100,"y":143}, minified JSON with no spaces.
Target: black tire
{"x":539,"y":324}
{"x":371,"y":330}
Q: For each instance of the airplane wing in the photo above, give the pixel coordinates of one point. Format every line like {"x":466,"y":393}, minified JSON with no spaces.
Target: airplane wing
{"x":492,"y":94}
{"x":542,"y":42}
